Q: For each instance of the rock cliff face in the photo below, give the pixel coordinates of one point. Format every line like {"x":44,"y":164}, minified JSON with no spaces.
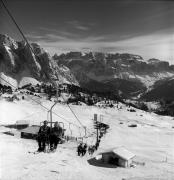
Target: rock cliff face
{"x":126,"y":74}
{"x":129,"y":73}
{"x":17,"y":62}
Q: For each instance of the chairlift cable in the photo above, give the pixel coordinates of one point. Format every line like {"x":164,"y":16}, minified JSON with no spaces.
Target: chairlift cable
{"x":38,"y":102}
{"x":69,"y":105}
{"x":85,"y":128}
{"x":13,"y":19}
{"x":11,"y":16}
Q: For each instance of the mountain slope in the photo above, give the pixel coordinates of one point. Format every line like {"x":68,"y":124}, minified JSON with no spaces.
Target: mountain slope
{"x":126,"y":74}
{"x":161,"y":90}
{"x":20,"y":66}
{"x":151,"y":141}
{"x":129,"y":73}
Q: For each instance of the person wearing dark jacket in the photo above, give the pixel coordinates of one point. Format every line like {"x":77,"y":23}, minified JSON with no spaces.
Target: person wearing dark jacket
{"x":43,"y":136}
{"x":80,"y":149}
{"x":55,"y":136}
{"x":84,"y":149}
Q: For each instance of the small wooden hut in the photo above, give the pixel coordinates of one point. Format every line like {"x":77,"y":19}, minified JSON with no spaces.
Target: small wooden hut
{"x":118,"y":156}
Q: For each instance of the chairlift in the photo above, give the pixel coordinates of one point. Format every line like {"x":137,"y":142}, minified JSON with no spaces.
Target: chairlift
{"x":53,"y":122}
{"x":55,"y":79}
{"x":49,"y":122}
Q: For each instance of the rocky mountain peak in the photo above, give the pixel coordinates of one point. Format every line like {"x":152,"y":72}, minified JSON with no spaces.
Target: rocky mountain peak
{"x":5,"y":40}
{"x":37,"y":49}
{"x":129,"y":73}
{"x":17,"y":60}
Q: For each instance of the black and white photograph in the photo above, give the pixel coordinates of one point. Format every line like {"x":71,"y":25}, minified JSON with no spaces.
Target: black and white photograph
{"x":86,"y":89}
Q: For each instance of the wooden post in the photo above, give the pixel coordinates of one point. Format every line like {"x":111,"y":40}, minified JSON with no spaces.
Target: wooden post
{"x":95,"y":121}
{"x":97,"y":131}
{"x":51,"y":119}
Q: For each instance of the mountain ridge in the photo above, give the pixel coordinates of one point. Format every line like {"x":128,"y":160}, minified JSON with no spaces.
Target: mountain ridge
{"x":126,"y":74}
{"x":18,"y":61}
{"x":126,"y":70}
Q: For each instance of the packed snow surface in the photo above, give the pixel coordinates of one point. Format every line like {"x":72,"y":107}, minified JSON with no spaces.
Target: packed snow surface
{"x":152,"y":141}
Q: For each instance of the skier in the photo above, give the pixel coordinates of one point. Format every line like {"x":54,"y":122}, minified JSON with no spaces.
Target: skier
{"x":91,"y":149}
{"x":84,"y":149}
{"x":43,"y":136}
{"x":97,"y":144}
{"x":79,"y":149}
{"x":55,"y":136}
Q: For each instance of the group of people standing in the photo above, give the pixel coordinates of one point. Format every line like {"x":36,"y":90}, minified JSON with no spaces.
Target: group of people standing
{"x":50,"y":136}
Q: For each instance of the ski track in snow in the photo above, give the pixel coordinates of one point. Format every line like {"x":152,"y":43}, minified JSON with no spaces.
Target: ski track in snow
{"x":152,"y":141}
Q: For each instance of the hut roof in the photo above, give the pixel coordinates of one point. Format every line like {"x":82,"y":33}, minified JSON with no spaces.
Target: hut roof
{"x":121,"y":152}
{"x":20,"y":122}
{"x":31,"y":130}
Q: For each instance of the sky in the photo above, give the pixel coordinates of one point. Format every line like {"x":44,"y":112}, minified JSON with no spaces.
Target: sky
{"x":143,"y":27}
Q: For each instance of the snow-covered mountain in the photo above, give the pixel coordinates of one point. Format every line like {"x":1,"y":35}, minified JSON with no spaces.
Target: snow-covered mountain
{"x":129,"y":73}
{"x":19,"y":66}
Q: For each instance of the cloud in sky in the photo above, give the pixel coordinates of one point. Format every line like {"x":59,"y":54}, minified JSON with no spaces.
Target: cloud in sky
{"x":157,"y":45}
{"x":143,"y":27}
{"x":77,"y":25}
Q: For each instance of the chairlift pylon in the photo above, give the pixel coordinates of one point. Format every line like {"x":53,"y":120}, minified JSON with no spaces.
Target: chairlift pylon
{"x":31,"y":49}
